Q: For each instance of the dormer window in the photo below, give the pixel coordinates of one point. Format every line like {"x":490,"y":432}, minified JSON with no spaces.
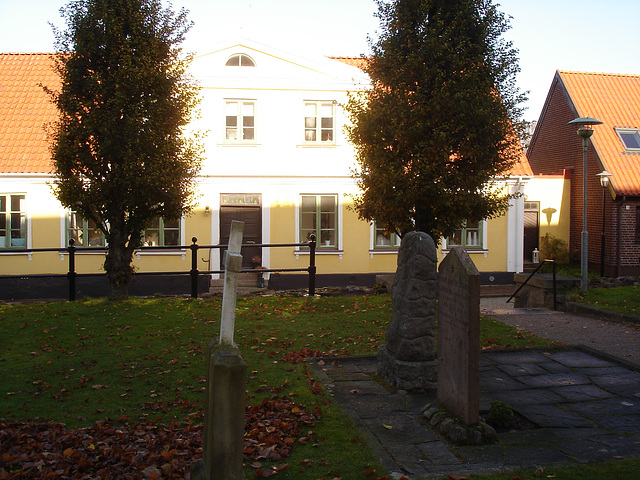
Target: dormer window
{"x":240,"y":60}
{"x":630,"y":138}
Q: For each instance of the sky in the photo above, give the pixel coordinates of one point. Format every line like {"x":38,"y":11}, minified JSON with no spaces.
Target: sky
{"x":574,"y":35}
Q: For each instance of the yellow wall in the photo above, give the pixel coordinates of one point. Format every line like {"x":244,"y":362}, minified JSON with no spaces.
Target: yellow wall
{"x":553,"y":193}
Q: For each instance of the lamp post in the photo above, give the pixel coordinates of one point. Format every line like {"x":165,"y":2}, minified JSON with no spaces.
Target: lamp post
{"x":604,"y":181}
{"x":585,"y":130}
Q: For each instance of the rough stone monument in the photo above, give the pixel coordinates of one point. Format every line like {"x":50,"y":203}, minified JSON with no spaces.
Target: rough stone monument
{"x":459,"y":336}
{"x":223,"y":438}
{"x":408,"y":359}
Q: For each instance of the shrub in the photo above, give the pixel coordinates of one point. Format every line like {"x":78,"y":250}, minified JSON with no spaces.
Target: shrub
{"x":552,"y":248}
{"x":500,"y":414}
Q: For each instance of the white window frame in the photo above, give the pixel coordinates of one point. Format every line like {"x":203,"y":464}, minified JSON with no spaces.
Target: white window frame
{"x":84,"y":228}
{"x":240,"y":127}
{"x":482,"y":248}
{"x":377,"y":248}
{"x":318,"y":128}
{"x":6,"y":243}
{"x":320,"y":249}
{"x":244,"y":60}
{"x":628,"y":131}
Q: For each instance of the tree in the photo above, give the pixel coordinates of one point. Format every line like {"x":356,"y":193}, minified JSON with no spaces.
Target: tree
{"x":120,"y":153}
{"x":438,"y":125}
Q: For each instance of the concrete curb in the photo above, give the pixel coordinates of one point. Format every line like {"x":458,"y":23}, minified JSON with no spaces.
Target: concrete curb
{"x":596,"y":312}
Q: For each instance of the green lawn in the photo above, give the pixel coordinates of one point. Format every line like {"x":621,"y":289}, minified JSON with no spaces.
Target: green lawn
{"x":141,"y":364}
{"x":618,"y":299}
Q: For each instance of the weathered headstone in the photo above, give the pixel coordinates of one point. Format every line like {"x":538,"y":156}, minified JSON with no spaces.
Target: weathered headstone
{"x":223,"y":438}
{"x":408,"y":359}
{"x":459,"y":336}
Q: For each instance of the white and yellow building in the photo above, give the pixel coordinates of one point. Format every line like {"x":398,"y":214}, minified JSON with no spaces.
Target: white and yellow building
{"x":276,"y":157}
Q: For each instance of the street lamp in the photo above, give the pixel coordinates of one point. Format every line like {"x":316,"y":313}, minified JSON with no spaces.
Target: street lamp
{"x":604,"y":181}
{"x":584,"y":125}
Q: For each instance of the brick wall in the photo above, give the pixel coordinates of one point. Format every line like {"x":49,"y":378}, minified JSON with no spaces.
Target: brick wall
{"x":556,"y":146}
{"x":625,"y":258}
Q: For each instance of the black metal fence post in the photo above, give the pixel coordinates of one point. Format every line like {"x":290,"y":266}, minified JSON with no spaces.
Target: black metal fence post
{"x":555,"y":291}
{"x":312,"y":266}
{"x":194,"y":268}
{"x":71,"y":274}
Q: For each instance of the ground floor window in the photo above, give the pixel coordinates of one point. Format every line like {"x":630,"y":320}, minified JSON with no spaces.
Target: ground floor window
{"x":469,"y":236}
{"x":162,"y":233}
{"x":84,"y":233}
{"x":385,"y":240}
{"x":318,"y":216}
{"x":13,"y":221}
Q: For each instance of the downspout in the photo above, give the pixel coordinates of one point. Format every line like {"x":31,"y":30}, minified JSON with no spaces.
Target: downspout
{"x":618,"y":228}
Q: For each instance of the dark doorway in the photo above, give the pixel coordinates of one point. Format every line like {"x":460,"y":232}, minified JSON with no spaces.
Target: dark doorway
{"x":246,"y":208}
{"x":531,"y":229}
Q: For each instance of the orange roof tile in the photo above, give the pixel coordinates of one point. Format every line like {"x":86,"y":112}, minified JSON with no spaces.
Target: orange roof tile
{"x":359,"y":62}
{"x":615,"y":100}
{"x":25,"y":110}
{"x":521,"y":167}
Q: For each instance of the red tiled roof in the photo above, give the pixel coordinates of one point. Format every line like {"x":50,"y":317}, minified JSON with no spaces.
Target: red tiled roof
{"x":614,"y":100}
{"x":359,"y":62}
{"x":25,"y":110}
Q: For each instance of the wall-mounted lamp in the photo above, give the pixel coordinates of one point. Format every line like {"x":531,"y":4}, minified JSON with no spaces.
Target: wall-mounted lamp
{"x":605,"y":178}
{"x":207,"y":210}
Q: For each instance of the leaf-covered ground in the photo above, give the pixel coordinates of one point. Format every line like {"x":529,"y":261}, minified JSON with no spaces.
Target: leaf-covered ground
{"x":96,"y":389}
{"x":130,"y":451}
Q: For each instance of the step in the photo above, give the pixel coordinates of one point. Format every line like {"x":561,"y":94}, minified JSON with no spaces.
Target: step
{"x":247,"y":283}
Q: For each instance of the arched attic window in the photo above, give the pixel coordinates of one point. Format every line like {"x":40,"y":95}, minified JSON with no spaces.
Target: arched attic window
{"x":240,"y":60}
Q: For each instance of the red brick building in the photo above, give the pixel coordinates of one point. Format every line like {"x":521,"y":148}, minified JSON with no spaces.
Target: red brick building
{"x":614,"y":147}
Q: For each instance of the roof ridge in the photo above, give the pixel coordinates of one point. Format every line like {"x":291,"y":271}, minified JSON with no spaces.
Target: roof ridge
{"x":604,"y":74}
{"x":28,"y":53}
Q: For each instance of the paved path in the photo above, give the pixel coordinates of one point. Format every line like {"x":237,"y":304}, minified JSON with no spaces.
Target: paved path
{"x":583,"y":405}
{"x":619,"y":340}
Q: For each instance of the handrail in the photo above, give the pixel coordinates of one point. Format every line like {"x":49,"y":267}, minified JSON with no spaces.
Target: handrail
{"x":194,"y":273}
{"x":553,"y":262}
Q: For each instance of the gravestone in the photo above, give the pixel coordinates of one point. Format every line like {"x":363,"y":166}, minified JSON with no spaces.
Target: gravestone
{"x":407,"y":360}
{"x":223,"y":438}
{"x":459,"y":336}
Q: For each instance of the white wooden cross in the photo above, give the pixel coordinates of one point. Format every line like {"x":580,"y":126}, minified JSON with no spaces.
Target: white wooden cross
{"x":233,"y":265}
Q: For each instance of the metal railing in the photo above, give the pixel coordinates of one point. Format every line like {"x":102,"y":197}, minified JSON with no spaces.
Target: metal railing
{"x":193,"y":273}
{"x":553,"y":269}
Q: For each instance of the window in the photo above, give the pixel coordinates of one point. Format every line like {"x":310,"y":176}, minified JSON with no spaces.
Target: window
{"x":13,"y":221}
{"x":319,"y":214}
{"x":469,"y":236}
{"x":385,"y":240}
{"x":318,"y":121}
{"x":630,"y":138}
{"x":240,"y":60}
{"x":85,"y":233}
{"x":239,"y":122}
{"x":162,"y":233}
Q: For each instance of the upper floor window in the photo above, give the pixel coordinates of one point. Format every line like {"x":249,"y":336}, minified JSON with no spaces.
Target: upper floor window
{"x":240,"y":60}
{"x":318,"y":216}
{"x":13,"y":221}
{"x":85,"y":233}
{"x":240,"y":121}
{"x":470,"y":235}
{"x":630,"y":138}
{"x":384,"y":239}
{"x":319,"y":121}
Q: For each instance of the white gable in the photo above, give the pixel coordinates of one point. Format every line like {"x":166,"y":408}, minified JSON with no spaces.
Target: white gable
{"x":274,"y":69}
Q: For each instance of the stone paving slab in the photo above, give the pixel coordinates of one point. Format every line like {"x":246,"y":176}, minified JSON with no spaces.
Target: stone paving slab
{"x":582,"y":406}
